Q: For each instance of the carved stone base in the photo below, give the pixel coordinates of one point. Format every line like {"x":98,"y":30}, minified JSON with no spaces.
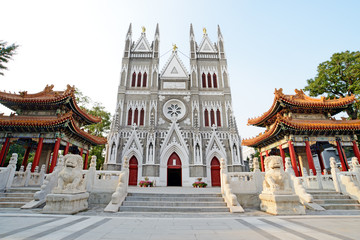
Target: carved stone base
{"x":281,"y":204}
{"x":66,"y":203}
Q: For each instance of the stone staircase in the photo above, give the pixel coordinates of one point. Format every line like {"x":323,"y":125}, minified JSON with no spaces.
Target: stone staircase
{"x":17,"y":197}
{"x":332,"y":200}
{"x":172,"y":202}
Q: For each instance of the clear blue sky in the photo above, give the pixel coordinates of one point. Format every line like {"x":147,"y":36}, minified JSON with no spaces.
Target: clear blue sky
{"x":269,"y":44}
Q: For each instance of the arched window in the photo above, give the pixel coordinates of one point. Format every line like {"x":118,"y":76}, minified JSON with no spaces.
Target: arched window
{"x":139,"y":80}
{"x":212,"y":115}
{"x":218,"y":118}
{"x":215,"y":80}
{"x":136,"y":113}
{"x":129,"y":116}
{"x":203,"y":80}
{"x":142,"y":115}
{"x":144,"y":79}
{"x":206,"y":116}
{"x":209,"y":80}
{"x":133,"y":79}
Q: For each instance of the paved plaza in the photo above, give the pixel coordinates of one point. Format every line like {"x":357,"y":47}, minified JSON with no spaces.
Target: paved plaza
{"x":17,"y":224}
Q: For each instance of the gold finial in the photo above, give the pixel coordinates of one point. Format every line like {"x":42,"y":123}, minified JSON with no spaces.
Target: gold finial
{"x":174,"y":47}
{"x":204,"y":30}
{"x":143,"y":29}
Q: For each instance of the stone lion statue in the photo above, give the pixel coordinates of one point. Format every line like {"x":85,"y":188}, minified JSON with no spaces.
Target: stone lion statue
{"x":276,"y":181}
{"x":70,"y":178}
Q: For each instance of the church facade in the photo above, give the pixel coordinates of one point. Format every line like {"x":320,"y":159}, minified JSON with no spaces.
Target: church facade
{"x":174,"y":124}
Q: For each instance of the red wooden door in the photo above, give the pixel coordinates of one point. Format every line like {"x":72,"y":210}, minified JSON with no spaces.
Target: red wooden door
{"x":174,"y":177}
{"x":133,"y":171}
{"x":215,"y":172}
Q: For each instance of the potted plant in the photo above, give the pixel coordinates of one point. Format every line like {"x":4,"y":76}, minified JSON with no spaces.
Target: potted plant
{"x":146,"y":183}
{"x":199,"y":184}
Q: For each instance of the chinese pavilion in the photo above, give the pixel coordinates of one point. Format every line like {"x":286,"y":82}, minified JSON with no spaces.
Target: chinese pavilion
{"x":46,"y":122}
{"x":302,"y":126}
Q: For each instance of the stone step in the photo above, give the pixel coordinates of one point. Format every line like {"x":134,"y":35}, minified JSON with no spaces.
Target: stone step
{"x":27,"y":195}
{"x":23,"y":190}
{"x":336,"y":201}
{"x":172,"y":209}
{"x":12,"y":204}
{"x":174,"y":195}
{"x":330,"y":197}
{"x":15,"y":199}
{"x":174,"y":204}
{"x":175,"y":199}
{"x":321,"y":192}
{"x":341,"y":206}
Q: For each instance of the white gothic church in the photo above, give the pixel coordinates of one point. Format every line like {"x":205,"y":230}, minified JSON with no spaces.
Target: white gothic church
{"x":173,"y":125}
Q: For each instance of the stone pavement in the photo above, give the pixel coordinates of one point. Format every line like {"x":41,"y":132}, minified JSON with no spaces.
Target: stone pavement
{"x":23,"y":224}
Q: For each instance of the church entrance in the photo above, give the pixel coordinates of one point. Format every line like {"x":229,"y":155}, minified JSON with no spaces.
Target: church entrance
{"x":133,"y":171}
{"x":174,"y":170}
{"x":215,"y":172}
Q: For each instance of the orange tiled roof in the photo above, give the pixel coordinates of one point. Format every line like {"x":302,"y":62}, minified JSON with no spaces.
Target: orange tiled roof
{"x":50,"y":121}
{"x":45,"y":97}
{"x":300,"y":100}
{"x":287,"y":123}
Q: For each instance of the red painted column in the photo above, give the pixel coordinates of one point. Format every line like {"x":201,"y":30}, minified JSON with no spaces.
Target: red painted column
{"x":86,"y":160}
{"x":81,"y":152}
{"x":341,"y":155}
{"x":55,"y":155}
{"x":309,"y":157}
{"x":267,"y":153}
{"x":26,"y":157}
{"x":3,"y":152}
{"x":282,"y":154}
{"x":356,"y":150}
{"x":293,"y":158}
{"x":37,"y":154}
{"x":262,"y":162}
{"x":321,"y":161}
{"x":66,"y":151}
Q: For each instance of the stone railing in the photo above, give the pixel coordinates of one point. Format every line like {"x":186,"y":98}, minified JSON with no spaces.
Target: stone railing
{"x":120,"y":193}
{"x":7,"y":174}
{"x":318,"y":181}
{"x":226,"y":190}
{"x":27,"y":178}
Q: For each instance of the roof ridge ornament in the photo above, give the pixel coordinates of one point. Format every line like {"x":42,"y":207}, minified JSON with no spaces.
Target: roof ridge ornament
{"x":204,"y":31}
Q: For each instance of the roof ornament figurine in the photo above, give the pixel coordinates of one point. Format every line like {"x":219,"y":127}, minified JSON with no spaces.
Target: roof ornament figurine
{"x":175,"y":47}
{"x":204,"y":31}
{"x":143,"y":29}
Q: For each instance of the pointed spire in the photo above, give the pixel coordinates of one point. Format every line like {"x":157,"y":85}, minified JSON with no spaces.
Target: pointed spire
{"x":219,"y":32}
{"x":130,"y":30}
{"x":157,"y":29}
{"x":191,"y":30}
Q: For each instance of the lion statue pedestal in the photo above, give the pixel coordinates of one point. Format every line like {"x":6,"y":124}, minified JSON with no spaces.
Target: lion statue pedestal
{"x":277,"y":196}
{"x":70,"y":196}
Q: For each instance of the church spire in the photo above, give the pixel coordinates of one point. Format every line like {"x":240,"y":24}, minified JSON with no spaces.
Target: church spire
{"x":157,"y":33}
{"x":191,"y":31}
{"x":128,"y":42}
{"x":156,"y":41}
{"x":219,"y":32}
{"x":129,"y":31}
{"x":192,"y":43}
{"x":221,"y":44}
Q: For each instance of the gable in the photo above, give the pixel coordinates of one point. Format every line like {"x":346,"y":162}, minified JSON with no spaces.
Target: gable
{"x":142,"y":45}
{"x":174,"y":68}
{"x":206,"y":46}
{"x":174,"y":136}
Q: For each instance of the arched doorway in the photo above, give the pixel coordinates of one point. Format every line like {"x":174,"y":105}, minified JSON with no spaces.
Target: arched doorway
{"x":215,"y":172}
{"x":174,"y":170}
{"x":133,"y":171}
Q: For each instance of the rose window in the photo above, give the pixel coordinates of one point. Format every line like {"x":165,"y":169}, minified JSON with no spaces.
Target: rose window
{"x":174,"y":109}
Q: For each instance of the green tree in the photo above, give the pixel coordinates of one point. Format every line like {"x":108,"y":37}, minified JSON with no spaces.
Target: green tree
{"x":338,"y":77}
{"x":98,"y":129}
{"x":6,"y":53}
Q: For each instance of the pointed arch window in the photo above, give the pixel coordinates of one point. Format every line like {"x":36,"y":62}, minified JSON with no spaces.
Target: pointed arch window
{"x":209,"y":80}
{"x":136,"y":114}
{"x":203,"y":80}
{"x":133,"y":79}
{"x":142,"y":115}
{"x":212,"y":115}
{"x":129,"y":117}
{"x":139,"y":80}
{"x":144,"y":79}
{"x":215,"y":80}
{"x":206,"y":117}
{"x":218,"y":118}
